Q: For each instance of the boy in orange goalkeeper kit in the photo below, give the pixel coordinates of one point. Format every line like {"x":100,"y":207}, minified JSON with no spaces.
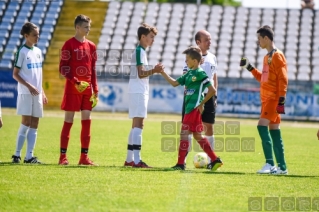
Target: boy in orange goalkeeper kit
{"x":273,"y":88}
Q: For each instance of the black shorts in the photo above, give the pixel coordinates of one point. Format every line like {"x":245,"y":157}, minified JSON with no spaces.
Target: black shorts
{"x":208,"y":115}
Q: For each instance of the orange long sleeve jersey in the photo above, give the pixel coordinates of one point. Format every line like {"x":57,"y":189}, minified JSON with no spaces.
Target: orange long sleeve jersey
{"x":273,"y":79}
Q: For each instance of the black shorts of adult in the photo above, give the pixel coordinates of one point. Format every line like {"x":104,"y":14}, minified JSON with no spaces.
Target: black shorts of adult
{"x":208,"y":115}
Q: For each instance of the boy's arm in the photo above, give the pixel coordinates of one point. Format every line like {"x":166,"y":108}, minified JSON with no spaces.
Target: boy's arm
{"x":142,"y":73}
{"x":19,"y":79}
{"x":281,"y":71}
{"x":211,"y":92}
{"x":169,"y":79}
{"x":244,"y":63}
{"x":93,"y":76}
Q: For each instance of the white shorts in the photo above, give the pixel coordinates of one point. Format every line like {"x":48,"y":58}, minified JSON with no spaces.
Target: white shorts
{"x":138,"y":105}
{"x":28,"y":105}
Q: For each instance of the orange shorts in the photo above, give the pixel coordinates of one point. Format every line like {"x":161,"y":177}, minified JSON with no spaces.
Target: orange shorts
{"x":193,"y":121}
{"x":268,"y":111}
{"x":76,"y":102}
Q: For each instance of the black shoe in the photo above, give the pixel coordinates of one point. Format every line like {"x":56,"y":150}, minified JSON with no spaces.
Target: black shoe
{"x":215,"y":164}
{"x":178,"y":167}
{"x":33,"y":160}
{"x":16,"y":159}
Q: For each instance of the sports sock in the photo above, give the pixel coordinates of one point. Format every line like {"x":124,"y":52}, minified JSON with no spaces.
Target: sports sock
{"x":65,"y":137}
{"x":137,"y":144}
{"x":129,"y":156}
{"x":278,"y":146}
{"x":204,"y":144}
{"x":85,"y":135}
{"x":31,"y":140}
{"x":182,"y":151}
{"x":266,"y":144}
{"x":22,"y":132}
{"x":190,"y":138}
{"x":211,"y":141}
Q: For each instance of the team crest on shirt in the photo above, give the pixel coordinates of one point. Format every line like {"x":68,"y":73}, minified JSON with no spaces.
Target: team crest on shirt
{"x":194,"y":78}
{"x":38,"y":56}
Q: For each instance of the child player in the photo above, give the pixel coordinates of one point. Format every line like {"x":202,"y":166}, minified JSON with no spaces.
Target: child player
{"x":195,"y":81}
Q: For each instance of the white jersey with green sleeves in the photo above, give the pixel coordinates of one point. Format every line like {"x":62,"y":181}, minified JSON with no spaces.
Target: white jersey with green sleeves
{"x":195,"y":81}
{"x":209,"y":66}
{"x":137,"y":85}
{"x":29,"y":61}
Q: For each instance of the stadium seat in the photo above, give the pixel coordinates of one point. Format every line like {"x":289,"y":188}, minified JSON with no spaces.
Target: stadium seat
{"x":302,"y":76}
{"x":4,"y":63}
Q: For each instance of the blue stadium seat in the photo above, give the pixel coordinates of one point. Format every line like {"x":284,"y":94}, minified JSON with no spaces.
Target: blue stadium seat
{"x":5,"y":26}
{"x":6,"y":64}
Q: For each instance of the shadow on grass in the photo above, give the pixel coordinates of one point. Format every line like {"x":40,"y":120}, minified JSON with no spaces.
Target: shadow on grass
{"x":154,"y":169}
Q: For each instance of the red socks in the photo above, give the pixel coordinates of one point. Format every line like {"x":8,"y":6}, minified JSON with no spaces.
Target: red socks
{"x":204,"y":144}
{"x":182,"y":151}
{"x":85,"y":134}
{"x":65,"y":136}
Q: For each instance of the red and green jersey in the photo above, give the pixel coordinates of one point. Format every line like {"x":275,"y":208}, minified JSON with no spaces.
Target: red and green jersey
{"x":195,"y":82}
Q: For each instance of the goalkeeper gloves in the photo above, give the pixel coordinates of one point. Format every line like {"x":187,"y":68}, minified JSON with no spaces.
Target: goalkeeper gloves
{"x":81,"y":86}
{"x":94,"y":99}
{"x":281,"y":105}
{"x":244,"y":63}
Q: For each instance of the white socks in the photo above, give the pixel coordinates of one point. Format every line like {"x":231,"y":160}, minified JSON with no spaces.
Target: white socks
{"x":129,"y":156}
{"x":31,"y":138}
{"x":22,"y":132}
{"x":211,"y":141}
{"x":137,"y":144}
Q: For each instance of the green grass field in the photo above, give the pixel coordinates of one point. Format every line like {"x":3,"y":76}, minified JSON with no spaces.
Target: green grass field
{"x":111,"y":187}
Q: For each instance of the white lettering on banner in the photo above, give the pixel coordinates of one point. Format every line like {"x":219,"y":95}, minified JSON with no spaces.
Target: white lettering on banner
{"x":8,"y":85}
{"x":6,"y":94}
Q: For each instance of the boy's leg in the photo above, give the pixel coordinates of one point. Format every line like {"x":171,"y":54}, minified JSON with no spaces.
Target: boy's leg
{"x":85,"y":137}
{"x":24,"y":108}
{"x":138,"y":111}
{"x":137,"y":139}
{"x":65,"y":136}
{"x":31,"y":139}
{"x":70,"y":104}
{"x":183,"y":147}
{"x":21,"y":136}
{"x":268,"y":114}
{"x":278,"y":146}
{"x":205,"y":145}
{"x":129,"y":156}
{"x":208,"y":118}
{"x":37,"y":112}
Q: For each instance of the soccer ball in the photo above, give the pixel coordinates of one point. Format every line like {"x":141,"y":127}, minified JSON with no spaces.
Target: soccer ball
{"x":200,"y":160}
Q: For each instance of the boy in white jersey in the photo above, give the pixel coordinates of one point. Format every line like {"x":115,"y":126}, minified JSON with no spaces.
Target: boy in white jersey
{"x":28,"y":72}
{"x":209,"y":65}
{"x":195,"y":81}
{"x":138,"y":94}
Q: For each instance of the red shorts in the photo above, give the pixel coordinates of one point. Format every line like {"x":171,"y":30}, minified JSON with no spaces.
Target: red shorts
{"x":268,"y":111}
{"x":193,"y":121}
{"x":76,"y":102}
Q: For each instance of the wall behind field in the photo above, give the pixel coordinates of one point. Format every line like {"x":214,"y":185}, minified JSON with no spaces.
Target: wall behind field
{"x":236,"y":98}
